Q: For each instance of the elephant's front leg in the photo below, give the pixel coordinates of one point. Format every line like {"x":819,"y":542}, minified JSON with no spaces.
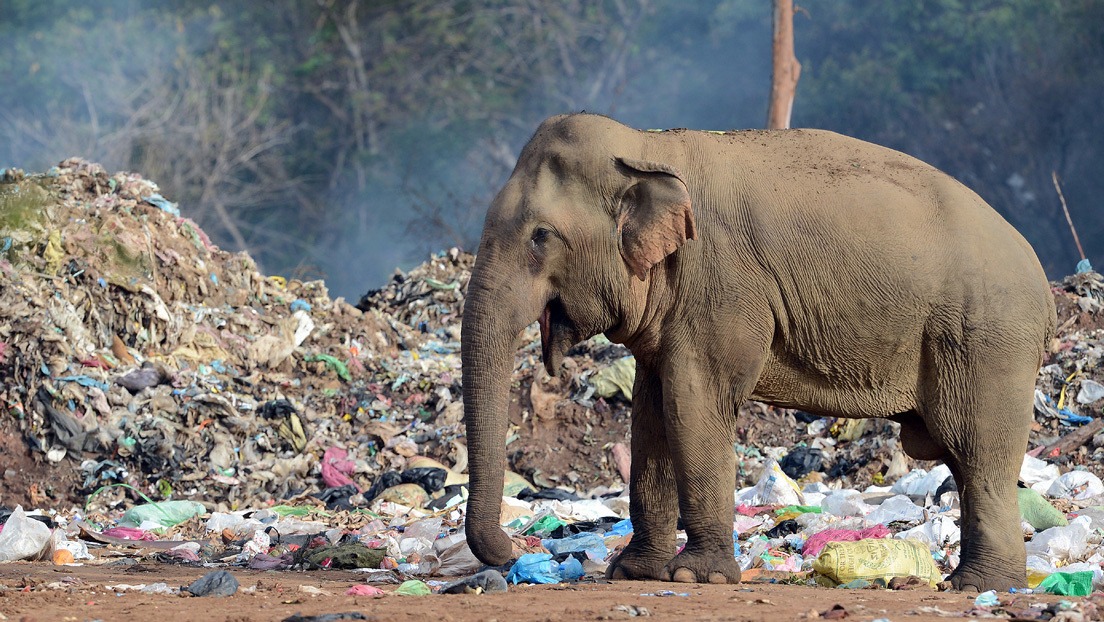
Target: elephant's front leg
{"x":700,"y":430}
{"x":653,"y":499}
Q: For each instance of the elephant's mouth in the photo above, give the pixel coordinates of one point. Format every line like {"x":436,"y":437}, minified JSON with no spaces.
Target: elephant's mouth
{"x":555,"y":329}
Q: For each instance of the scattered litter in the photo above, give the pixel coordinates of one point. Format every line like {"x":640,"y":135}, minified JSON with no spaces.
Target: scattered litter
{"x":486,"y":582}
{"x":188,"y":409}
{"x":987,"y":599}
{"x":215,"y":583}
{"x":365,"y":590}
{"x":413,"y":587}
{"x":327,"y":617}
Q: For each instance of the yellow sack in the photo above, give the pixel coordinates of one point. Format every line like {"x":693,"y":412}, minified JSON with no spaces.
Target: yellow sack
{"x":843,"y":562}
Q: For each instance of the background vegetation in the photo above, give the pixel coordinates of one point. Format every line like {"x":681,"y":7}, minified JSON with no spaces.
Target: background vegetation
{"x":343,"y":138}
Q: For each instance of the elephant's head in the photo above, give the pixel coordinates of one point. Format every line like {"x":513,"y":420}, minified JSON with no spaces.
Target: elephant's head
{"x":591,"y":207}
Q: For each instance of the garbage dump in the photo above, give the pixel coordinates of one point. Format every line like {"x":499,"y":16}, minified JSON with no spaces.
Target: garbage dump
{"x":161,"y":399}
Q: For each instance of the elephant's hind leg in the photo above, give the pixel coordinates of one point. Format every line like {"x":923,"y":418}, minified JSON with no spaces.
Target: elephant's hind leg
{"x":653,"y":499}
{"x":977,"y":404}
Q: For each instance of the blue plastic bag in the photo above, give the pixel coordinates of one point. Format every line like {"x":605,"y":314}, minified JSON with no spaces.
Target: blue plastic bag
{"x":592,"y":544}
{"x":622,"y":528}
{"x":540,"y":568}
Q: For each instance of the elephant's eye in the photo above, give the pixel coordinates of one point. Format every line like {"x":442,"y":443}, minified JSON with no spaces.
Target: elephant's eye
{"x":540,"y":236}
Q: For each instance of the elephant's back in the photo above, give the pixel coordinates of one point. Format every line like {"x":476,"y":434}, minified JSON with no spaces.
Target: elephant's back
{"x":826,"y":211}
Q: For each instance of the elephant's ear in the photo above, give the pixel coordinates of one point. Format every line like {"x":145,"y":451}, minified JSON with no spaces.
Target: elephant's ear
{"x":655,"y":218}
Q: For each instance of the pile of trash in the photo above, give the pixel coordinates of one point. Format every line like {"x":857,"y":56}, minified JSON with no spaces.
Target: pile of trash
{"x":161,"y":398}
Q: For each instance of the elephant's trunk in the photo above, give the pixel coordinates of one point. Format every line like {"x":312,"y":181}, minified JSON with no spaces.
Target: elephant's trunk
{"x":487,"y":352}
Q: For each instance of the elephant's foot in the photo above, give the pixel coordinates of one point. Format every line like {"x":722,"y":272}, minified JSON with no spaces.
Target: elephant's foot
{"x":982,"y":577}
{"x":689,"y":567}
{"x":637,"y":563}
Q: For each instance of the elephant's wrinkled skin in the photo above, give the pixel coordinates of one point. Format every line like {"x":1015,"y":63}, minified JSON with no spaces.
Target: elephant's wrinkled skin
{"x":797,"y":267}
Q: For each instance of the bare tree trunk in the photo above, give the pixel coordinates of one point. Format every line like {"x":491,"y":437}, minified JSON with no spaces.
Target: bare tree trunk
{"x":785,"y":68}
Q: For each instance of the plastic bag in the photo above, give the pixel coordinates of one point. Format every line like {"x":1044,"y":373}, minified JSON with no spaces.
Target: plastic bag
{"x":919,"y":484}
{"x":843,"y":562}
{"x":540,"y":568}
{"x":773,"y":488}
{"x":592,"y":544}
{"x":163,"y":513}
{"x":938,"y":533}
{"x":22,"y":537}
{"x":413,"y":587}
{"x":816,"y":542}
{"x":1068,"y":583}
{"x":845,"y":503}
{"x":617,"y":378}
{"x":1076,"y":485}
{"x":455,"y":556}
{"x":1062,"y":544}
{"x":899,"y":508}
{"x":1037,"y":511}
{"x":1035,"y":471}
{"x":1090,"y":392}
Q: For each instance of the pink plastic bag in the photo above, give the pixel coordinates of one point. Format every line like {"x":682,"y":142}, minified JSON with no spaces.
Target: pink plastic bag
{"x":336,"y":469}
{"x":365,"y":590}
{"x":129,"y":533}
{"x":817,"y":541}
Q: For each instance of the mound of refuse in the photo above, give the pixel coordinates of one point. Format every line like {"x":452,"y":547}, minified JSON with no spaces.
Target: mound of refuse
{"x":154,"y":387}
{"x":133,"y":351}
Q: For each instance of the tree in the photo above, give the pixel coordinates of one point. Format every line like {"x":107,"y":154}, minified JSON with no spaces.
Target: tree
{"x":785,"y":68}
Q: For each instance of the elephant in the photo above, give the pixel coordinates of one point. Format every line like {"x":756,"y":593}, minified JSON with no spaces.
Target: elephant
{"x":801,"y":268}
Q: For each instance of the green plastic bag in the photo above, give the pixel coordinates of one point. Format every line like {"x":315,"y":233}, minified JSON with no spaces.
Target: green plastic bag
{"x":617,"y":378}
{"x":1038,"y":512}
{"x":544,"y":526}
{"x":292,"y":510}
{"x":1068,"y":583}
{"x":799,"y":509}
{"x":167,"y":513}
{"x":414,"y":587}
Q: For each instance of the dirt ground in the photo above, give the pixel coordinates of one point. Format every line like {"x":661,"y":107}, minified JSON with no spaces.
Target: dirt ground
{"x":39,"y":592}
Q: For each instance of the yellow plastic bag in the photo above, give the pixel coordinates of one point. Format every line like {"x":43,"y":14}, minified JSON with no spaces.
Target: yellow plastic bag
{"x":843,"y":562}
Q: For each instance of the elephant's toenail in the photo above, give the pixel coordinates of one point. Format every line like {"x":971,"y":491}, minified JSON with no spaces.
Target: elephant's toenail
{"x":684,"y":575}
{"x":717,"y":577}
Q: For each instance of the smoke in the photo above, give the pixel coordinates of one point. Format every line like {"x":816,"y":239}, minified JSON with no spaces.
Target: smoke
{"x":211,"y":103}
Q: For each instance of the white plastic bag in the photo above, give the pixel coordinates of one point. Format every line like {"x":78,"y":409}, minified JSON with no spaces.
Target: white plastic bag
{"x":1035,"y":471}
{"x":899,"y":508}
{"x":919,"y":483}
{"x":938,"y":533}
{"x":1075,"y":485}
{"x":23,"y":537}
{"x":845,"y":503}
{"x":1090,"y":392}
{"x":773,"y":488}
{"x":1062,"y":545}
